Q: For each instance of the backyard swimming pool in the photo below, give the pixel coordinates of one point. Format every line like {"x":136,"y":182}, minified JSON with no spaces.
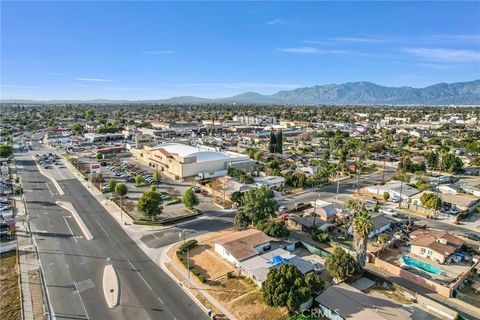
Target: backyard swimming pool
{"x":409,"y":261}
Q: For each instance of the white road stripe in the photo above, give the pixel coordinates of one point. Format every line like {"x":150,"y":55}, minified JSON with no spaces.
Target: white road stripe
{"x":130,"y":262}
{"x":81,"y":300}
{"x":74,"y":238}
{"x":49,"y":189}
{"x":102,"y":228}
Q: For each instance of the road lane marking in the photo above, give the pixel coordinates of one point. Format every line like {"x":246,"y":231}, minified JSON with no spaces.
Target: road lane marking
{"x":69,"y":207}
{"x":74,"y":238}
{"x":161,"y":301}
{"x":81,"y":300}
{"x":49,"y":189}
{"x":102,"y":228}
{"x":130,"y":262}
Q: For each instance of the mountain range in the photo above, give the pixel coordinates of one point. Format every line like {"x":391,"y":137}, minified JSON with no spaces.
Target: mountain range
{"x":360,"y":93}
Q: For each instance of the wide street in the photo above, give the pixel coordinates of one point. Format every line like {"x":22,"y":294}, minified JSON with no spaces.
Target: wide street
{"x":73,"y":265}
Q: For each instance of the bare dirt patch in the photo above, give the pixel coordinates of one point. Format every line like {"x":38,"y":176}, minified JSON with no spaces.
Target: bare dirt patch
{"x":202,"y":257}
{"x":10,"y":305}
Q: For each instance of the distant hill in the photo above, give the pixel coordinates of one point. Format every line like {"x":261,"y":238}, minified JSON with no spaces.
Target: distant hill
{"x":459,"y":93}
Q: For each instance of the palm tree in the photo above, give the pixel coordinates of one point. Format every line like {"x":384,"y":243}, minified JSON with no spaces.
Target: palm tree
{"x":362,"y":226}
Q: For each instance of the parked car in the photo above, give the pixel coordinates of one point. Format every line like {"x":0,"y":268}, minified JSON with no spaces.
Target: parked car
{"x":454,"y":211}
{"x":472,"y":236}
{"x":389,"y":211}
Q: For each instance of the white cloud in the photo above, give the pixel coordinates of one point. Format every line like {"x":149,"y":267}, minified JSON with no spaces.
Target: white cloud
{"x":360,"y":39}
{"x":277,"y":21}
{"x":311,"y":50}
{"x":158,"y":52}
{"x":443,"y":54}
{"x":92,"y":79}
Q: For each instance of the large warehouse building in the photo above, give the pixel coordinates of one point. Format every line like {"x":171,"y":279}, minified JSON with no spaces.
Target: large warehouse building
{"x":184,"y":162}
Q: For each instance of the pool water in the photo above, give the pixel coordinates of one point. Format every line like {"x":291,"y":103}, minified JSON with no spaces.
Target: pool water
{"x":409,"y":261}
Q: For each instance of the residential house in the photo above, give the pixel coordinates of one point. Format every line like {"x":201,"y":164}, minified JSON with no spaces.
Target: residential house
{"x":242,"y":245}
{"x":448,"y":189}
{"x":325,"y":210}
{"x":395,"y":189}
{"x":462,"y":201}
{"x":342,"y":302}
{"x":270,"y":182}
{"x":470,"y":186}
{"x":381,"y":223}
{"x":257,"y":267}
{"x":434,"y":244}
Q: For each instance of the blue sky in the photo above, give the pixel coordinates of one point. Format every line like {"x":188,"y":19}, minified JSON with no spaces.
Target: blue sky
{"x":150,"y":50}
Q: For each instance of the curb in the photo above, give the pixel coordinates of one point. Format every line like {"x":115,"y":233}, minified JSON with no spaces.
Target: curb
{"x":55,"y":183}
{"x":69,"y":207}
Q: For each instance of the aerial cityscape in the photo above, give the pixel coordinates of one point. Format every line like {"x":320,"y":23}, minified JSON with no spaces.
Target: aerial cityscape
{"x":240,"y":160}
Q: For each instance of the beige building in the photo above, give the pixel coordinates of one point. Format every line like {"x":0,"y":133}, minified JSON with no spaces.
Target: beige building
{"x":433,"y":244}
{"x":184,"y":162}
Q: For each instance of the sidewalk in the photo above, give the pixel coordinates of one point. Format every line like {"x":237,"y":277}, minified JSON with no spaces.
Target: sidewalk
{"x":33,"y":301}
{"x":194,"y":285}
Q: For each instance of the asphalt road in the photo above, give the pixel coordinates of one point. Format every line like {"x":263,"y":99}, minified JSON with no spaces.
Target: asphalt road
{"x":209,"y":222}
{"x":73,"y":266}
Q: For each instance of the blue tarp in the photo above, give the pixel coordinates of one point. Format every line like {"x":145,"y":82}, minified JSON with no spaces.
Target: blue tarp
{"x":278,"y":260}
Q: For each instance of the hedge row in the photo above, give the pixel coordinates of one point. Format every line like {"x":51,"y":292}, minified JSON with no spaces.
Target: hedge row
{"x":180,"y":255}
{"x":187,"y":246}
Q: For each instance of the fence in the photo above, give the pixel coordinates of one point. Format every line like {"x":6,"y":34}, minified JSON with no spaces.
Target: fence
{"x":407,"y":275}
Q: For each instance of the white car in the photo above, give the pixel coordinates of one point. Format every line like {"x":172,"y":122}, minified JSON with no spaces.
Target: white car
{"x":389,"y":211}
{"x":395,"y":199}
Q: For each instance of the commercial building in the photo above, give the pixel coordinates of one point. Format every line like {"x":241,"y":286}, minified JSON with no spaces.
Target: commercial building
{"x":184,"y":162}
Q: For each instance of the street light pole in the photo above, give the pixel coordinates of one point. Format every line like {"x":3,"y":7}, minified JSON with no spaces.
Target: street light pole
{"x":188,"y":258}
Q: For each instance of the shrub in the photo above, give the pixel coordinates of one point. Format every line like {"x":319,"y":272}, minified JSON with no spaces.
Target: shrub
{"x":320,"y":236}
{"x":229,"y":275}
{"x":187,"y":245}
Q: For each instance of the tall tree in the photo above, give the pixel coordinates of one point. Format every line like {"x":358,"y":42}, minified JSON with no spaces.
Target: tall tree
{"x":190,"y":199}
{"x":149,"y":203}
{"x":112,"y":183}
{"x":279,"y":140}
{"x":121,"y":190}
{"x":340,"y":265}
{"x":286,"y":287}
{"x":258,"y":205}
{"x":362,"y":226}
{"x":272,"y":145}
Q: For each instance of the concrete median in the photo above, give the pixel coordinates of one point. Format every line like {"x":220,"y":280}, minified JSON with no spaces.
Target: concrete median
{"x":69,"y":207}
{"x":111,"y":287}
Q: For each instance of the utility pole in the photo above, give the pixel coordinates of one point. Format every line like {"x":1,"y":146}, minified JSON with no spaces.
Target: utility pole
{"x":383,"y":172}
{"x":401,"y":181}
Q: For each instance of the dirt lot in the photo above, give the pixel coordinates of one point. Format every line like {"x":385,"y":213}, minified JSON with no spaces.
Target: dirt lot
{"x":9,"y":290}
{"x":238,"y":294}
{"x":202,"y":257}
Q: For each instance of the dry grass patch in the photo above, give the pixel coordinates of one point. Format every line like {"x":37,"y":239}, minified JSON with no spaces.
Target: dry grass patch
{"x":212,"y":267}
{"x":252,"y":307}
{"x":10,"y":305}
{"x":226,"y":290}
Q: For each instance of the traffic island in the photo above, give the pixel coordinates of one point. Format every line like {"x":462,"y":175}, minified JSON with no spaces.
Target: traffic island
{"x":111,"y":287}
